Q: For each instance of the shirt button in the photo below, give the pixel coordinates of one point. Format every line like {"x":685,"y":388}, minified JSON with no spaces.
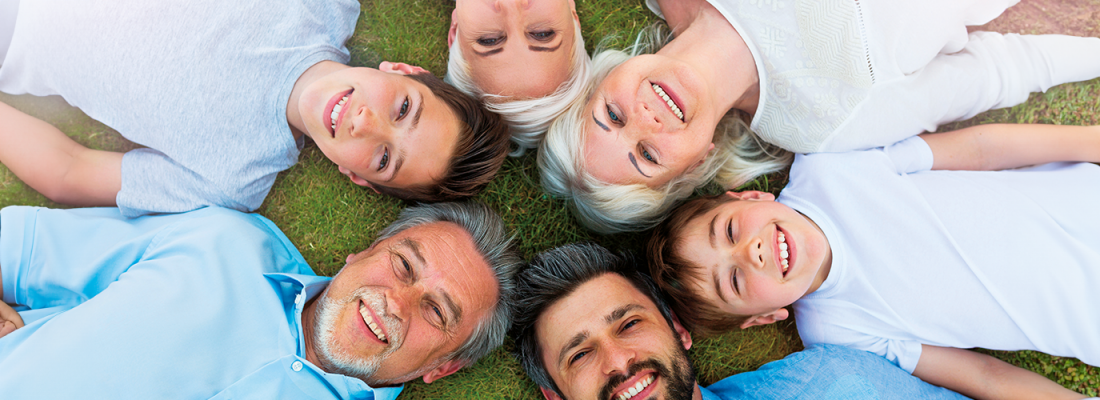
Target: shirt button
{"x":296,"y":366}
{"x":299,"y":299}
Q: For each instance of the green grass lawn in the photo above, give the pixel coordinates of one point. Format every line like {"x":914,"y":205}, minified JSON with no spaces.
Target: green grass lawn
{"x":327,"y":217}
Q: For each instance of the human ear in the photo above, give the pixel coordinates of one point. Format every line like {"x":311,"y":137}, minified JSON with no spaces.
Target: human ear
{"x":356,"y":179}
{"x":400,"y":68}
{"x":453,"y":31}
{"x":549,"y":394}
{"x":443,"y":370}
{"x":685,"y":336}
{"x":766,"y":318}
{"x":751,"y":195}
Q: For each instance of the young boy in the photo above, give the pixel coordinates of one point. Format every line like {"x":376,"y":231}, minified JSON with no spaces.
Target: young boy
{"x":223,"y":94}
{"x":879,"y":253}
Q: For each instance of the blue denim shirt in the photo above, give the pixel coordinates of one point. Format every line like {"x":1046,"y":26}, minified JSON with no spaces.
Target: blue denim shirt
{"x":206,"y":304}
{"x":827,"y":372}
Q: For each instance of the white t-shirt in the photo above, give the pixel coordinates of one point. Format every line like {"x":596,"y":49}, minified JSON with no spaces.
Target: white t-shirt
{"x":840,"y":75}
{"x":1006,"y":260}
{"x":204,"y":84}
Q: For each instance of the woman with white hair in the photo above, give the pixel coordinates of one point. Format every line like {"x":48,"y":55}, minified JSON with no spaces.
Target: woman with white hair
{"x":524,"y":58}
{"x":813,"y":76}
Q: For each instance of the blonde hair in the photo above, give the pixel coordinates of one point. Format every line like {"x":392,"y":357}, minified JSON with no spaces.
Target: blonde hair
{"x":739,"y":156}
{"x":527,"y":119}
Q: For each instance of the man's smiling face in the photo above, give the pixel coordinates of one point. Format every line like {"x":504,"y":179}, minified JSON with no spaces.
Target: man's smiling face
{"x":399,"y":308}
{"x":606,"y":340}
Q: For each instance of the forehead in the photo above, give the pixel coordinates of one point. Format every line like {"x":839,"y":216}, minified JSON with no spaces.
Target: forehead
{"x":586,"y":310}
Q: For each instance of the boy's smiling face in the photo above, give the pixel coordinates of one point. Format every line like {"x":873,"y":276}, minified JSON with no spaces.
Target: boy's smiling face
{"x":755,"y":255}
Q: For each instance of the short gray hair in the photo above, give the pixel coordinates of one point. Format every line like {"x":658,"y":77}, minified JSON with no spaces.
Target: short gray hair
{"x":739,"y":156}
{"x":527,"y":119}
{"x":554,"y":275}
{"x":492,"y":242}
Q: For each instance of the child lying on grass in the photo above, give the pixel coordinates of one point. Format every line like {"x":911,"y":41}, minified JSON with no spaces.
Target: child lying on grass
{"x":223,"y":94}
{"x":880,"y":251}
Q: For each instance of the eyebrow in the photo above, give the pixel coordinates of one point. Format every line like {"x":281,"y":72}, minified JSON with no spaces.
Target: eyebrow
{"x":414,"y":246}
{"x":600,"y":123}
{"x":579,"y":338}
{"x":456,"y":311}
{"x":635,"y":162}
{"x":713,"y":241}
{"x":490,"y":52}
{"x":540,"y":48}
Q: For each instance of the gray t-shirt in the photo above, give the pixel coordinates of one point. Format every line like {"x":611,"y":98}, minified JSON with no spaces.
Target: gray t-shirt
{"x":203,"y":84}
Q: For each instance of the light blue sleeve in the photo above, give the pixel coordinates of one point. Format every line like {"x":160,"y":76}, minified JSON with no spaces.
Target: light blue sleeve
{"x":52,"y":258}
{"x":829,"y":372}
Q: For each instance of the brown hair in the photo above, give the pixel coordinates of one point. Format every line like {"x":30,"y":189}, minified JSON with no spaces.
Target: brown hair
{"x":480,"y":151}
{"x":672,"y":272}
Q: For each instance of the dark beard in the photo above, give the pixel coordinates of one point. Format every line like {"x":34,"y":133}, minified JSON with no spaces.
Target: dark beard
{"x":679,"y":380}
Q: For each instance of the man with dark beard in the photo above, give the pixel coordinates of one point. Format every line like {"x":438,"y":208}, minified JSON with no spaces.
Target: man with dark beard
{"x":219,"y":304}
{"x":590,"y":326}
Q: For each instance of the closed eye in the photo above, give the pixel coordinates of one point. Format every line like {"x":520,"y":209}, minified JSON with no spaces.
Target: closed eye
{"x":733,"y":283}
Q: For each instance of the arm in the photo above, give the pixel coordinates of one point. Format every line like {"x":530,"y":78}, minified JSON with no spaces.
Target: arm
{"x":984,"y":377}
{"x":1001,"y":146}
{"x":56,"y":166}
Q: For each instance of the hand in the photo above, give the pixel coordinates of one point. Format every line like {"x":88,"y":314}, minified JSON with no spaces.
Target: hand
{"x":9,"y":320}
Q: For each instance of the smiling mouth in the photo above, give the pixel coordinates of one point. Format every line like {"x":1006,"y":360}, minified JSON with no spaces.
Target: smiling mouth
{"x":336,"y":111}
{"x":784,"y":253}
{"x":632,"y":391}
{"x":375,"y":326}
{"x":668,"y":100}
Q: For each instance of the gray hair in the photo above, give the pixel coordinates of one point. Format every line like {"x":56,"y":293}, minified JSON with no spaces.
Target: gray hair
{"x":487,"y":230}
{"x":739,"y":156}
{"x":527,"y":119}
{"x":555,"y":274}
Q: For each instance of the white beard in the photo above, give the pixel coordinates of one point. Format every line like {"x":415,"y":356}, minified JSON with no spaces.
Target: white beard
{"x":342,"y":361}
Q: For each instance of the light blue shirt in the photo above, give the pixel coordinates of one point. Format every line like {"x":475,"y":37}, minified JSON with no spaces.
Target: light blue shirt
{"x":827,"y":372}
{"x":205,"y":304}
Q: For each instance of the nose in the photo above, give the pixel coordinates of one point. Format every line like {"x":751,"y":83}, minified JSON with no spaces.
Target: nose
{"x":617,"y":359}
{"x":400,"y":299}
{"x":750,"y":253}
{"x":365,"y":123}
{"x":645,"y":122}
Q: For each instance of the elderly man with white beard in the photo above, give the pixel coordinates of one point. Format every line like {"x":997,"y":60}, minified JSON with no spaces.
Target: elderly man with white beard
{"x":219,"y":304}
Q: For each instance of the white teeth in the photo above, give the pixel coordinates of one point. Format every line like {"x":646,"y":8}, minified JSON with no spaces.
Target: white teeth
{"x":637,"y":388}
{"x":783,"y":253}
{"x":336,"y":111}
{"x":370,"y":322}
{"x":675,"y":110}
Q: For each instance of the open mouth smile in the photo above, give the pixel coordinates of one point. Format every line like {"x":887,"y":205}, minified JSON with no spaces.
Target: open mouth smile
{"x":784,"y":251}
{"x":369,"y":319}
{"x":639,"y":388}
{"x":335,"y":110}
{"x":668,"y":100}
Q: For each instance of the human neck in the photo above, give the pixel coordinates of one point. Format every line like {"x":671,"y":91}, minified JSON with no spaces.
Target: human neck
{"x":309,"y":316}
{"x":312,"y":74}
{"x":826,"y":262}
{"x":698,"y":393}
{"x":718,"y":52}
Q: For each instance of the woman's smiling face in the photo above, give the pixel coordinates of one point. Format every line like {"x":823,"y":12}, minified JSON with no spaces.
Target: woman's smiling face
{"x":516,"y":48}
{"x":649,"y":122}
